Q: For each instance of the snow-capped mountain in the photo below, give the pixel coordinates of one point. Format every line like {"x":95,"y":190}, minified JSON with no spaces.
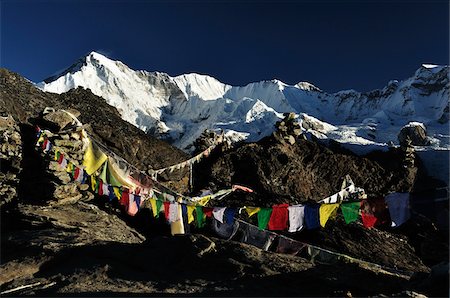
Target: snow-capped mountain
{"x":180,"y":108}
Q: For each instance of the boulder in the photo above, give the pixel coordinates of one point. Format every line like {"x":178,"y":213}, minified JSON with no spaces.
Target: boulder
{"x":416,"y":132}
{"x":59,"y":119}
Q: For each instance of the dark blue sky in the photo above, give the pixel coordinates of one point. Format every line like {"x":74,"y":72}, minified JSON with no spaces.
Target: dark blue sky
{"x":333,"y":44}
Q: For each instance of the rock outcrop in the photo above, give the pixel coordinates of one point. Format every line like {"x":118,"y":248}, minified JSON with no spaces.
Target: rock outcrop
{"x":414,"y":131}
{"x":10,"y":159}
{"x":299,"y":172}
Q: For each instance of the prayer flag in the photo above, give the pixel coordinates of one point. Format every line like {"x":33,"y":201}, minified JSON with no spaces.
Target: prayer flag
{"x":93,"y":158}
{"x":327,"y":211}
{"x":218,"y":213}
{"x":201,"y":218}
{"x":264,"y":217}
{"x":350,"y":211}
{"x":279,"y":218}
{"x":252,"y":210}
{"x":190,"y":213}
{"x":296,"y":217}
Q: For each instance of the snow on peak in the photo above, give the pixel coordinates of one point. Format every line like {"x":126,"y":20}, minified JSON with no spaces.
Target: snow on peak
{"x":258,"y":111}
{"x":430,"y":65}
{"x":200,"y":86}
{"x":307,"y":86}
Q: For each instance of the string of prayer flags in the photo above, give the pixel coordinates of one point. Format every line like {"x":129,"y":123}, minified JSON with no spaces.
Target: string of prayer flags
{"x":327,"y":211}
{"x":118,"y":179}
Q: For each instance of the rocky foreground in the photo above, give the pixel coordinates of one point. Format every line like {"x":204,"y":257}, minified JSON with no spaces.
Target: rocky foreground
{"x":59,"y":239}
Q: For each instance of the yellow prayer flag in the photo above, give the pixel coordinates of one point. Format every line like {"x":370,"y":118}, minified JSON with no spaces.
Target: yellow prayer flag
{"x":41,"y":139}
{"x":117,"y":192}
{"x":93,"y":158}
{"x":252,"y":210}
{"x":120,"y":175}
{"x":69,"y":167}
{"x":153,"y":203}
{"x":177,"y":227}
{"x":93,"y":182}
{"x":190,"y":213}
{"x":327,"y":211}
{"x":203,"y":201}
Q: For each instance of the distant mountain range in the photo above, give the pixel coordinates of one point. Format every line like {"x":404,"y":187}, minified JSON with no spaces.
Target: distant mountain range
{"x":179,"y":108}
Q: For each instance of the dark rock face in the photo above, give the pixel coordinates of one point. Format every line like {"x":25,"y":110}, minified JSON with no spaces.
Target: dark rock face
{"x":415,"y":132}
{"x":299,"y":172}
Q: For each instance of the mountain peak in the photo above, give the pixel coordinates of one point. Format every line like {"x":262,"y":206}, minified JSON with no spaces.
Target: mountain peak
{"x":307,"y":86}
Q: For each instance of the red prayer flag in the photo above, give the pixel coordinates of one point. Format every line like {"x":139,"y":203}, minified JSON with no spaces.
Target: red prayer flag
{"x":100,"y":187}
{"x":125,"y":199}
{"x":368,"y":218}
{"x":279,"y":217}
{"x":44,"y":144}
{"x":166,"y":209}
{"x":208,"y":211}
{"x":61,"y":158}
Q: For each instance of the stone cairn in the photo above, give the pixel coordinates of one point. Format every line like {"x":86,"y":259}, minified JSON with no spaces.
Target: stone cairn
{"x":288,"y":129}
{"x":209,"y":138}
{"x":10,"y":159}
{"x":408,"y":151}
{"x":67,"y":138}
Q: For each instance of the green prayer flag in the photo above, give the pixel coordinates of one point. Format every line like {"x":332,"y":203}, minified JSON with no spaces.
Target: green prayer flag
{"x":350,"y":211}
{"x":201,"y":218}
{"x":159,"y":203}
{"x":263,"y":217}
{"x":107,"y":177}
